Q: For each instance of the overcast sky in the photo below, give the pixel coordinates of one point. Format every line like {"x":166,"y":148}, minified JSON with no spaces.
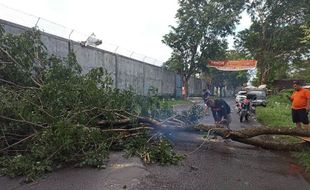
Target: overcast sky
{"x":133,"y":25}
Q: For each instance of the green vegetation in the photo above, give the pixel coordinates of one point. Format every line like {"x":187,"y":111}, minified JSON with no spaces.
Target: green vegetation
{"x":160,"y":152}
{"x":304,"y":159}
{"x":278,"y":114}
{"x":199,"y":34}
{"x":173,"y":102}
{"x":49,"y":113}
{"x":277,"y":38}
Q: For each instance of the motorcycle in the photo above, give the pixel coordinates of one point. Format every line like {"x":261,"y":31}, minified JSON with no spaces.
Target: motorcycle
{"x":247,"y":109}
{"x":239,"y":105}
{"x":244,"y":113}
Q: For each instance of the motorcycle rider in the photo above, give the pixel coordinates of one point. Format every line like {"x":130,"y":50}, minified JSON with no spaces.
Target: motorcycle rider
{"x":246,"y":103}
{"x":245,"y":106}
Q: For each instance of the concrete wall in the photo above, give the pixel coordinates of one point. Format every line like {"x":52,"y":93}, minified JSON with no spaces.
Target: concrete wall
{"x":168,"y":83}
{"x":126,"y":72}
{"x":130,"y":74}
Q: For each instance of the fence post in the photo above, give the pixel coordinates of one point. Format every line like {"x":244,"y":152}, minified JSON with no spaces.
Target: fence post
{"x":37,"y":22}
{"x":69,"y":42}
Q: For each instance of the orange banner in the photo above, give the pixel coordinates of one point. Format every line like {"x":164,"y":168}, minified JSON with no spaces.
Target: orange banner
{"x":238,"y":65}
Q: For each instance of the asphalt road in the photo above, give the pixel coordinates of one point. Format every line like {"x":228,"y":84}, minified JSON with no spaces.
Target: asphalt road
{"x":224,"y":165}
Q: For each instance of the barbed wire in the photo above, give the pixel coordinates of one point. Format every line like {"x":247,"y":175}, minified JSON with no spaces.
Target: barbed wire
{"x":29,"y":20}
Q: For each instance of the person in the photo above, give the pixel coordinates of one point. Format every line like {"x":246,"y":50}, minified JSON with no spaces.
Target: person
{"x":246,"y":103}
{"x":220,"y":111}
{"x":205,"y":97}
{"x":245,"y":106}
{"x":300,"y":105}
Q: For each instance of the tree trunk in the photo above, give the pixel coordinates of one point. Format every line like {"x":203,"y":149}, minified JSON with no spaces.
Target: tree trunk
{"x":249,"y":136}
{"x":264,"y":76}
{"x":185,"y":84}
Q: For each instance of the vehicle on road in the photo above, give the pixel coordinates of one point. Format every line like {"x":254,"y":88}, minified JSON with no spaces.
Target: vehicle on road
{"x":241,"y":95}
{"x":261,"y":97}
{"x":246,"y":108}
{"x":306,"y":86}
{"x":244,"y":113}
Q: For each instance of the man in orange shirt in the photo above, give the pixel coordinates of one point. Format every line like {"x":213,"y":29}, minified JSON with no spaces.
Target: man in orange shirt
{"x":300,"y":105}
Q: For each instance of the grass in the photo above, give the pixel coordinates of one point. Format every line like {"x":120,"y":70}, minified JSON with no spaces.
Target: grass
{"x":278,"y":114}
{"x":304,"y":159}
{"x":278,"y":111}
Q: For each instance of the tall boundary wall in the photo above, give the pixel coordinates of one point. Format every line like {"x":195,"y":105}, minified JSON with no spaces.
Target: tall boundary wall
{"x":126,"y":72}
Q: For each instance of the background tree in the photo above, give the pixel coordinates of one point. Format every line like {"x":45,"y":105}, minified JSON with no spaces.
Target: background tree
{"x":306,"y":30}
{"x":199,"y":34}
{"x":274,"y":38}
{"x":301,"y":69}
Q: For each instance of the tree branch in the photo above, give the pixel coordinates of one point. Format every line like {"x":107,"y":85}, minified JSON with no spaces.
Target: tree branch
{"x":19,"y":86}
{"x":10,"y":146}
{"x":126,"y":130}
{"x":21,"y":121}
{"x":105,"y":123}
{"x":9,"y":55}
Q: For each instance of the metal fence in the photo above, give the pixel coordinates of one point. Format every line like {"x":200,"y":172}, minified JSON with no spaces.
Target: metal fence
{"x":45,"y":25}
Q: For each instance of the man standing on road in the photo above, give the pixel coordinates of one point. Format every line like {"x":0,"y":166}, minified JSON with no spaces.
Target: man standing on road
{"x":300,"y":105}
{"x":220,"y":111}
{"x":205,"y":97}
{"x":206,"y":94}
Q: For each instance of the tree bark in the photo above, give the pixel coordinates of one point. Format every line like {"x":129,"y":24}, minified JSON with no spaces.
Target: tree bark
{"x":123,"y":122}
{"x":246,"y":136}
{"x":105,"y":123}
{"x":185,"y":84}
{"x":265,"y":76}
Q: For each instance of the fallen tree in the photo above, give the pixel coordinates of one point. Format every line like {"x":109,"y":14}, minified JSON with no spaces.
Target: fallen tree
{"x":51,"y":114}
{"x":249,"y":136}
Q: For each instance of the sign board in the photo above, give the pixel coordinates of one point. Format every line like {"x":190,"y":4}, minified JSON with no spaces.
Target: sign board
{"x":229,"y":65}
